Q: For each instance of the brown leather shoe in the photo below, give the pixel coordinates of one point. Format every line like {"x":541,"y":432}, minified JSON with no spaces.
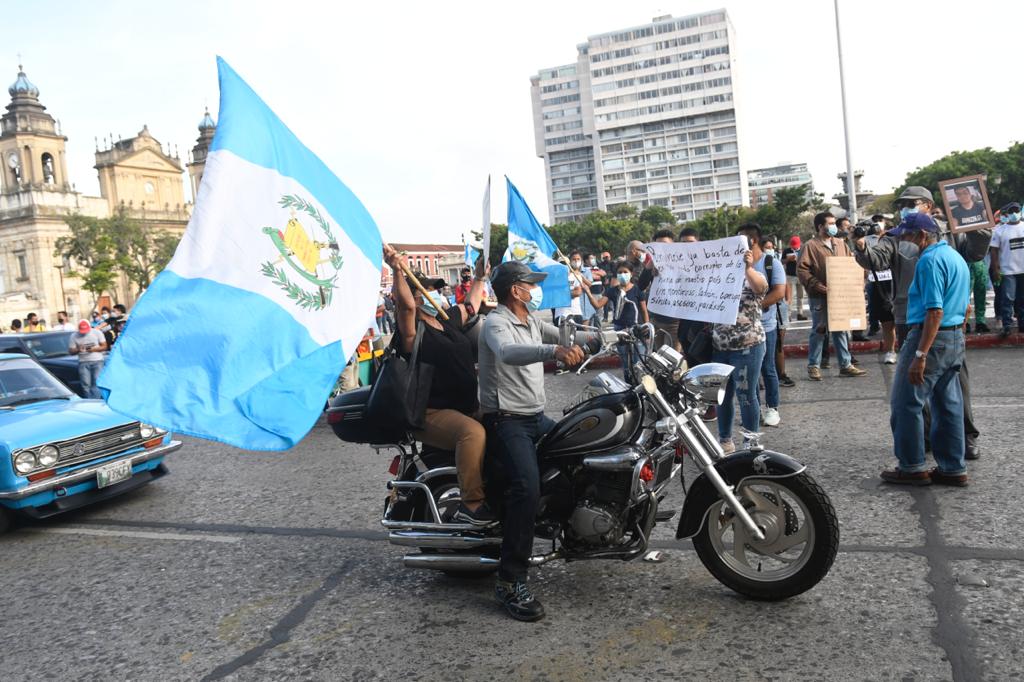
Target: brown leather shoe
{"x":814,"y":374}
{"x":958,"y":480}
{"x":900,"y":477}
{"x":852,"y":371}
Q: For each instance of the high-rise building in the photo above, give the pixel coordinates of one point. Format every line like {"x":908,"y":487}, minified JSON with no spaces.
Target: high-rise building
{"x":645,"y":116}
{"x":764,"y":182}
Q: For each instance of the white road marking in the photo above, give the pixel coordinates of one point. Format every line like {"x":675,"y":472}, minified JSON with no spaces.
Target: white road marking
{"x":144,"y":535}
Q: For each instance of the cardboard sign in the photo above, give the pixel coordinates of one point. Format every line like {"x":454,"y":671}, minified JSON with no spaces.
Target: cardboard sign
{"x":699,"y":280}
{"x":966,"y":201}
{"x":846,"y":308}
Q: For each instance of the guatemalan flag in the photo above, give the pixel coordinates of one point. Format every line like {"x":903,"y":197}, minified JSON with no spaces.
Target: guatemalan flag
{"x":273,"y":285}
{"x":529,"y":242}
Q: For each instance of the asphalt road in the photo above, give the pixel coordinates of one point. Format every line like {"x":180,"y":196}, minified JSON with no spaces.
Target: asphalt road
{"x":260,"y":566}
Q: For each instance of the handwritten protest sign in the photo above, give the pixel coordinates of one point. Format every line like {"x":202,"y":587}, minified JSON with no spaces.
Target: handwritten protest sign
{"x":698,"y":281}
{"x":846,"y":310}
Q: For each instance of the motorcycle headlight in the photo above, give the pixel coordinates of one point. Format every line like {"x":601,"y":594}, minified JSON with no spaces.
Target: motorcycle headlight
{"x":146,"y":431}
{"x":708,"y":381}
{"x":25,"y":462}
{"x":47,"y":456}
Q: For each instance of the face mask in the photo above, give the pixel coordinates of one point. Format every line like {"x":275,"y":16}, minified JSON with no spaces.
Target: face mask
{"x":624,"y":278}
{"x":465,"y":278}
{"x":833,"y":230}
{"x":1013,"y":217}
{"x":906,"y":210}
{"x":431,"y":307}
{"x":536,"y":296}
{"x":769,"y":252}
{"x":576,"y":265}
{"x":1004,"y":219}
{"x":592,"y":262}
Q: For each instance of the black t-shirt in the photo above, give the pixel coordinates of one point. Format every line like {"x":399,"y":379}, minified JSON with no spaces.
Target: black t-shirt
{"x":625,"y":306}
{"x":450,"y":351}
{"x":790,"y":265}
{"x":964,"y":217}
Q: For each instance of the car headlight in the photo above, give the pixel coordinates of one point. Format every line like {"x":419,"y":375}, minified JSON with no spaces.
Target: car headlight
{"x":47,"y":456}
{"x":25,"y":461}
{"x":146,"y":431}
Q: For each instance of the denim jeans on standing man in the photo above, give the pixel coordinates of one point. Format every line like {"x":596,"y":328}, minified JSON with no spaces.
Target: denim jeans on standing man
{"x":1013,"y":300}
{"x":743,"y":384}
{"x":819,"y":318}
{"x":768,"y":370}
{"x":941,"y":389}
{"x":88,"y":373}
{"x":512,"y":440}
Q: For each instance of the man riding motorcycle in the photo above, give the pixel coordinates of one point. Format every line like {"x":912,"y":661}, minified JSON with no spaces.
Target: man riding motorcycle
{"x":514,"y":345}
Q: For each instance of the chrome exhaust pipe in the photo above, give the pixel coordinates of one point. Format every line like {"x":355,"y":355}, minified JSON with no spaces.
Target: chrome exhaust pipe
{"x":436,"y":540}
{"x":444,"y":562}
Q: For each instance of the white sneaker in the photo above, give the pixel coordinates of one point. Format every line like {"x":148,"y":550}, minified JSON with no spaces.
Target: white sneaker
{"x":889,"y":358}
{"x":728,"y":447}
{"x":771,"y":417}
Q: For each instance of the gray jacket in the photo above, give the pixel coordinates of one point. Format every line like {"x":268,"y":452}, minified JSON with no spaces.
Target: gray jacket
{"x":511,"y":360}
{"x":901,"y":257}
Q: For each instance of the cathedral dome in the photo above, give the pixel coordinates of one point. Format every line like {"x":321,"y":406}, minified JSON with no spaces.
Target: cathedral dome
{"x":23,"y":87}
{"x":207,"y":123}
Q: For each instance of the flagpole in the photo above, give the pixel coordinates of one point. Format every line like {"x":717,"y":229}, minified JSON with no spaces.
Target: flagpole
{"x":851,"y":191}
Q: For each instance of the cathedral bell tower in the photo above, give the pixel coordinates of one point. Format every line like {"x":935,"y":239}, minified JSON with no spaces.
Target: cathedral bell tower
{"x":31,"y":145}
{"x":207,"y":129}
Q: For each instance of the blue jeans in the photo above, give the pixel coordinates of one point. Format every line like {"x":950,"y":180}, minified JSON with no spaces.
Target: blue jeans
{"x":743,"y":384}
{"x":768,"y":369}
{"x":819,"y":318}
{"x":1013,"y":300}
{"x":88,"y":373}
{"x":512,"y":441}
{"x":623,"y":348}
{"x":941,"y":389}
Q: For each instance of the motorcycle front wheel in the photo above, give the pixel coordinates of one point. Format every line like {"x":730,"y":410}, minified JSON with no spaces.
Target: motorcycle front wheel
{"x":801,"y":538}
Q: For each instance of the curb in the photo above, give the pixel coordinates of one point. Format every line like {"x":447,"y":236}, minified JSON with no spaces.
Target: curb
{"x":800,"y":350}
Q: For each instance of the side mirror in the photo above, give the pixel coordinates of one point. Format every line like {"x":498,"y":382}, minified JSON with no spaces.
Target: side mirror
{"x":708,"y":381}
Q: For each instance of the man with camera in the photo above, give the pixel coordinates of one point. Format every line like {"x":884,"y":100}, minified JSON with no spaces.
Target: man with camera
{"x":88,"y":344}
{"x":901,"y":257}
{"x":879,"y":292}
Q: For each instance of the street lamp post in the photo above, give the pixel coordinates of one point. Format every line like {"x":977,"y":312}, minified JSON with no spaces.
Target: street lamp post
{"x":850,"y":185}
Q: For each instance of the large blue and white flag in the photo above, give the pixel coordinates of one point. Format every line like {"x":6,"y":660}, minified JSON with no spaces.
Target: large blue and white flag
{"x":471,"y":255}
{"x":272,"y":287}
{"x":529,"y":242}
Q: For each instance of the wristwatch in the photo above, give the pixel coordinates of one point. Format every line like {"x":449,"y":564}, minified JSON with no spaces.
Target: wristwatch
{"x":920,"y":354}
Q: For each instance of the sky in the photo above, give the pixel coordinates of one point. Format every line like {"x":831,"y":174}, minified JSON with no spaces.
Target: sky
{"x":413,"y":104}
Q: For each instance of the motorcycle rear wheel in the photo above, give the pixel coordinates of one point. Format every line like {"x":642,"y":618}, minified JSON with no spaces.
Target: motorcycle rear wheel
{"x":801,"y":539}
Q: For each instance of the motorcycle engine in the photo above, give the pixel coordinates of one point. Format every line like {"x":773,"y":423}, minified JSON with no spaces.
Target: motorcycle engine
{"x":596,"y":524}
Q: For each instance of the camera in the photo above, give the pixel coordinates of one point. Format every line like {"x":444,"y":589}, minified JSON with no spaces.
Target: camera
{"x":862,"y":229}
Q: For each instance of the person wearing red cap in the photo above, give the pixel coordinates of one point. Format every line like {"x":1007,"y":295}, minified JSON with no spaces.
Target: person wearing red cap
{"x":789,"y":258}
{"x":88,"y":344}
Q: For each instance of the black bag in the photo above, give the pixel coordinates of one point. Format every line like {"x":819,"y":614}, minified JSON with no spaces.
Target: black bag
{"x":400,"y":393}
{"x":700,"y":348}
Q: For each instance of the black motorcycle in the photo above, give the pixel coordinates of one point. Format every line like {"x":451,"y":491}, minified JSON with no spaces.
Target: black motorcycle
{"x":759,"y":523}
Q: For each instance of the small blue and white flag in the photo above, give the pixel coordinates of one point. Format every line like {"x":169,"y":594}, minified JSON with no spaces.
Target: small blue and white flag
{"x":471,"y":255}
{"x":529,"y":242}
{"x":242,"y":337}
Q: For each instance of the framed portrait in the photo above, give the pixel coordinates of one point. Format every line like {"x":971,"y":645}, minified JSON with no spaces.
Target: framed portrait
{"x":967,"y":205}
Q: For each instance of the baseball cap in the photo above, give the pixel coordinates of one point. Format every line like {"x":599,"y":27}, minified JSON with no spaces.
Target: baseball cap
{"x":913,"y":193}
{"x":915,"y":222}
{"x":508,"y":273}
{"x":1012,"y":207}
{"x":428,"y":282}
{"x":794,"y":242}
{"x":84,"y":326}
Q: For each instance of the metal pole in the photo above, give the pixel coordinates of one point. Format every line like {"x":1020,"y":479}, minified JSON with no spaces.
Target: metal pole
{"x":850,"y":185}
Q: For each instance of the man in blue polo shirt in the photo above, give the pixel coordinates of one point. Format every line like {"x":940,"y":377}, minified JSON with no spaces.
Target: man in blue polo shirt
{"x":930,"y":360}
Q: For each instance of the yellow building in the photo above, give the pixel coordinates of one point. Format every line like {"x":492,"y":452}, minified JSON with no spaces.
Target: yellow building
{"x":137,"y":176}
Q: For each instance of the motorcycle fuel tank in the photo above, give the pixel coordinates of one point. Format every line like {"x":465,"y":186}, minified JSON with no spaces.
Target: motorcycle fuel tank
{"x":600,"y":423}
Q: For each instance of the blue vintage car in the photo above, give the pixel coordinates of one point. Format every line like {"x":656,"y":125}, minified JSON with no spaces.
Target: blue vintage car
{"x":60,"y":452}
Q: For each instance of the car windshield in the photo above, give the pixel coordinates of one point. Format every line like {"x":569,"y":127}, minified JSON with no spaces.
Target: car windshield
{"x":23,"y":381}
{"x":48,"y":345}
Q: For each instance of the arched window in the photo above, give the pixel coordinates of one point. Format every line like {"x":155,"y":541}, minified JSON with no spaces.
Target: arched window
{"x":49,"y":175}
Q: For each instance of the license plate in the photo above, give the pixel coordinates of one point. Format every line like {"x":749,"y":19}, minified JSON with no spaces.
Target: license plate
{"x":113,"y":473}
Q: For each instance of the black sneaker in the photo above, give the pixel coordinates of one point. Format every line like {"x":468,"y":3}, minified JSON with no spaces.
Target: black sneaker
{"x":481,"y":516}
{"x":784,"y":380}
{"x":518,"y":601}
{"x":981,"y":328}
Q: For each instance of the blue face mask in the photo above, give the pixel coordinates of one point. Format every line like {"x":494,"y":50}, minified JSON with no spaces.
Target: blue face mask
{"x":536,"y":296}
{"x":1013,"y":217}
{"x":906,"y":210}
{"x":769,"y":252}
{"x":1004,"y":219}
{"x":624,"y":278}
{"x":431,"y":307}
{"x":833,"y":230}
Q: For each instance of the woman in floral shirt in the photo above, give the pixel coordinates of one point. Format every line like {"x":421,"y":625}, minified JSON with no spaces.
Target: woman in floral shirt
{"x":742,"y":346}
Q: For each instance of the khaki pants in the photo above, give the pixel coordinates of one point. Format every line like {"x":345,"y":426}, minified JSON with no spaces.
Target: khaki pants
{"x":452,"y":430}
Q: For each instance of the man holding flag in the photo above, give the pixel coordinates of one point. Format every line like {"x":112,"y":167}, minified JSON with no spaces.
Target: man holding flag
{"x":292,"y":259}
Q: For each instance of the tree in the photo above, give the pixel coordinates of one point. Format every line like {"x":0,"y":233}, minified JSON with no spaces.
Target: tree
{"x":1004,"y":171}
{"x":658,"y":216}
{"x":141,"y":250}
{"x":721,"y":222}
{"x":91,"y":251}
